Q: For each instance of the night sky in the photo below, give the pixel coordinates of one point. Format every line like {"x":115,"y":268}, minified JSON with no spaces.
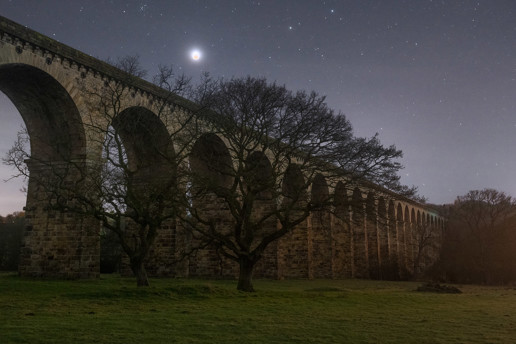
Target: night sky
{"x":435,"y":78}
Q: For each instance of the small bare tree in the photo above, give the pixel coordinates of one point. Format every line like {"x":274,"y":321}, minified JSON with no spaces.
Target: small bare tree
{"x":481,"y":216}
{"x":424,"y":239}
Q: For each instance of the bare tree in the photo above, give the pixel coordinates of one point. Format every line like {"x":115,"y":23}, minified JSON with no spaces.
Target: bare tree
{"x":130,"y":64}
{"x":276,"y":144}
{"x":425,"y":237}
{"x":481,"y":218}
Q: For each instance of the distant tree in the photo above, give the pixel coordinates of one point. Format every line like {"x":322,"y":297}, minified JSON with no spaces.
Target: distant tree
{"x":480,"y":238}
{"x":11,"y":233}
{"x":276,"y":145}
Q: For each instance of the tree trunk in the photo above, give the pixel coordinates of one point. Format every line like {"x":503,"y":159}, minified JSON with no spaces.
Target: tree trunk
{"x":139,"y":272}
{"x":245,"y":276}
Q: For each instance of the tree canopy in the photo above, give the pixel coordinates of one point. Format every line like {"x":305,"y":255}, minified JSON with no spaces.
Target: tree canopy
{"x":267,"y":146}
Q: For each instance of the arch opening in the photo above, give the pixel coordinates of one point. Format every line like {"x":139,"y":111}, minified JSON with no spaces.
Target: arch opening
{"x":211,"y":163}
{"x":360,"y":266}
{"x":383,"y":238}
{"x":140,"y":186}
{"x":212,"y":179}
{"x":342,"y":239}
{"x":294,"y":262}
{"x":50,"y":115}
{"x":321,"y":238}
{"x":392,"y":268}
{"x":12,"y":197}
{"x":372,"y":236}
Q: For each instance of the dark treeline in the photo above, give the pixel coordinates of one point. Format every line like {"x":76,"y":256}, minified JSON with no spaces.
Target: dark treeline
{"x":11,"y":232}
{"x":110,"y":252}
{"x":479,"y":243}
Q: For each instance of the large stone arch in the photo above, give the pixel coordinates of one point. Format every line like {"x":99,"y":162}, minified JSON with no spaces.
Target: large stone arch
{"x":293,"y":247}
{"x":399,"y":235}
{"x":372,"y":236}
{"x":383,"y":238}
{"x":211,"y":167}
{"x":403,"y":243}
{"x":360,"y":267}
{"x":411,"y":240}
{"x":393,"y":253}
{"x":147,"y":142}
{"x":342,"y":235}
{"x":211,"y":162}
{"x":51,"y":116}
{"x":55,"y":244}
{"x":260,"y":178}
{"x":321,"y":234}
{"x":150,"y":157}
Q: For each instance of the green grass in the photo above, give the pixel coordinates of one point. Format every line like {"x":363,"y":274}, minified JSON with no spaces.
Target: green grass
{"x":114,"y":310}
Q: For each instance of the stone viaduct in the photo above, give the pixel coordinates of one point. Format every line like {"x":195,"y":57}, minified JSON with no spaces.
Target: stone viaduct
{"x":378,"y":237}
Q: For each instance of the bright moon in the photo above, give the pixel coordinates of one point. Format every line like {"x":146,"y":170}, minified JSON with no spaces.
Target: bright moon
{"x":195,"y":55}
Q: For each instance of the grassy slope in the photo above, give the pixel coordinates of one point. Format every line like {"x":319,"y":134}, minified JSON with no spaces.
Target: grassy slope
{"x":113,"y":310}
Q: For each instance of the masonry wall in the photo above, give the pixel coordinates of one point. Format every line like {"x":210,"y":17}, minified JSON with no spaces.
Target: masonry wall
{"x":56,"y":243}
{"x":332,"y":247}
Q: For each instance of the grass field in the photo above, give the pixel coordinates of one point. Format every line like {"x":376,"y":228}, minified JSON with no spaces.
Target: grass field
{"x":114,"y":310}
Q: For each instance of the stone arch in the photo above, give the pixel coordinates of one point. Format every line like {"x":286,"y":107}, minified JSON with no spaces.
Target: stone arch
{"x":341,"y":201}
{"x":359,"y":235}
{"x":411,"y":240}
{"x":259,"y":175}
{"x":398,"y":244}
{"x":392,"y":267}
{"x":372,"y":236}
{"x":260,"y":180}
{"x":342,"y":248}
{"x":51,"y":116}
{"x":55,"y":244}
{"x":294,"y":246}
{"x":149,"y":149}
{"x":321,"y":238}
{"x":320,"y":192}
{"x":404,"y":233}
{"x":211,"y":162}
{"x":399,"y":213}
{"x":293,"y":186}
{"x":149,"y":154}
{"x":211,"y":166}
{"x":383,"y":237}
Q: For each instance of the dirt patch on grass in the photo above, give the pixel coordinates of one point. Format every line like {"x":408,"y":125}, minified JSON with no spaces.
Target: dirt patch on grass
{"x":438,"y":288}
